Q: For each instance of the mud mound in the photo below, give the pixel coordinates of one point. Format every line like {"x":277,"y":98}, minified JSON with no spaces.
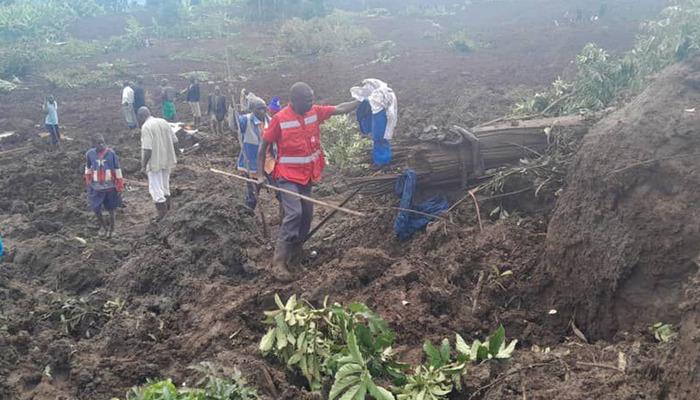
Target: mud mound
{"x":622,"y":247}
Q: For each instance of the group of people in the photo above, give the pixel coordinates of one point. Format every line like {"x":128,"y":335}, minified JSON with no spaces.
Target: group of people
{"x":279,"y":146}
{"x":133,"y":98}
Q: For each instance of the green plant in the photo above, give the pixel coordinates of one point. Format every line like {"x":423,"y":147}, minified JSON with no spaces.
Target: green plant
{"x":82,"y":315}
{"x":462,"y":41}
{"x":341,"y":143}
{"x":601,"y":78}
{"x":321,"y":35}
{"x":353,"y":345}
{"x":663,"y":332}
{"x":493,"y":346}
{"x":296,"y":339}
{"x":354,"y":381}
{"x":211,"y":387}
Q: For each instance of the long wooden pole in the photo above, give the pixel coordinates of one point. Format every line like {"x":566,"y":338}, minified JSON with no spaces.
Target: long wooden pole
{"x":329,"y":216}
{"x":289,"y":192}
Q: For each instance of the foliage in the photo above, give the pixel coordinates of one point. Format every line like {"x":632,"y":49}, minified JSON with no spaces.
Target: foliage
{"x":663,"y":332}
{"x":210,"y":387}
{"x":106,"y":74}
{"x":46,"y":19}
{"x":134,"y":37}
{"x":462,"y":41}
{"x":602,"y":78}
{"x":353,"y":345}
{"x":321,"y":35}
{"x":341,"y":144}
{"x":354,"y":381}
{"x":296,"y":338}
{"x":285,"y":9}
{"x":82,"y":315}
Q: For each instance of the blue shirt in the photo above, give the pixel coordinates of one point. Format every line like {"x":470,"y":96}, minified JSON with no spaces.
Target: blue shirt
{"x":248,"y":159}
{"x":51,"y":113}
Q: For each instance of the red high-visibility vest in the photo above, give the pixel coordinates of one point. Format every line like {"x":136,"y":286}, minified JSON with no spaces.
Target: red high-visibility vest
{"x":300,"y":158}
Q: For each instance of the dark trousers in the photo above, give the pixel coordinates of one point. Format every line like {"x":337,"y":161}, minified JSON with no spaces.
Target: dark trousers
{"x":298,"y":213}
{"x":53,"y":133}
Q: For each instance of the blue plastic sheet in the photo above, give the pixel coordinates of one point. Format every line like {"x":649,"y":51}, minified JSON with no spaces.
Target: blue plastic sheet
{"x":408,"y":223}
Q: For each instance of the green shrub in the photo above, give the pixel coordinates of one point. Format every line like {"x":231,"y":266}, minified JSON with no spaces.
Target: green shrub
{"x":342,"y":143}
{"x":321,"y":35}
{"x":461,"y":41}
{"x":602,"y":78}
{"x":352,"y":346}
{"x":42,"y":19}
{"x":211,"y":387}
{"x":285,"y":9}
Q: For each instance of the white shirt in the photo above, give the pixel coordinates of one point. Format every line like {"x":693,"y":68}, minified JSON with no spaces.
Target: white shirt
{"x":157,"y":136}
{"x":128,"y":95}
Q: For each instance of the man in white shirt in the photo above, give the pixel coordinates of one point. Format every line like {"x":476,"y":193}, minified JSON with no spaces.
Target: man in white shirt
{"x":128,"y":105}
{"x":157,"y":158}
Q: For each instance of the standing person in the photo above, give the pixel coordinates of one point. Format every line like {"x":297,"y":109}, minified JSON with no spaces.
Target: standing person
{"x":217,"y":111}
{"x":299,"y":163}
{"x":252,"y":126}
{"x":139,"y":94}
{"x":157,"y":158}
{"x":51,"y":121}
{"x":103,"y":177}
{"x":193,"y":97}
{"x":167,"y":99}
{"x":128,"y":105}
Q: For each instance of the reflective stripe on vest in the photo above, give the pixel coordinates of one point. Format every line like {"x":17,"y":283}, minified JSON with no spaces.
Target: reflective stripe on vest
{"x":290,"y":124}
{"x":300,"y":160}
{"x":311,"y":119}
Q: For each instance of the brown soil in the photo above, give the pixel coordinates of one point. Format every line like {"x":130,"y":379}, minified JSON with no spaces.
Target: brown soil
{"x":196,"y":284}
{"x":623,"y":246}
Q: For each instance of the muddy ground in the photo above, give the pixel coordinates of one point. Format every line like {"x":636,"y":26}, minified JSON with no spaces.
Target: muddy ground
{"x":194,"y":286}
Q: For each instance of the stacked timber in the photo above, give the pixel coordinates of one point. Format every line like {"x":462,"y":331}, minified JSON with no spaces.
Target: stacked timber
{"x":453,"y":157}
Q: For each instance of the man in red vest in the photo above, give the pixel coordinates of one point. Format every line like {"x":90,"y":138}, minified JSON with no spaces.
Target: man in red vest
{"x":300,"y":160}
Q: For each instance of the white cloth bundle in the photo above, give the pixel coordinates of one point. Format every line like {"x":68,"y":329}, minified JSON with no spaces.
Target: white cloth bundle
{"x":381,"y":97}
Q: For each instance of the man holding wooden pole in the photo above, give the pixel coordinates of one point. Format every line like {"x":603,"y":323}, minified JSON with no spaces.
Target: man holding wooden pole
{"x":300,"y":160}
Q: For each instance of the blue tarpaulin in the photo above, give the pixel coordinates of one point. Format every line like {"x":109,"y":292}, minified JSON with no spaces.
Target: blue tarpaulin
{"x":408,"y":223}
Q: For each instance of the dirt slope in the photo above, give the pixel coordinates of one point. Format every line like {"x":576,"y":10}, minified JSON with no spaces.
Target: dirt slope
{"x":623,"y":245}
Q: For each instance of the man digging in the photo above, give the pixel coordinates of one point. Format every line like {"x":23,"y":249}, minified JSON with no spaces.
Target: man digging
{"x":299,"y":163}
{"x":104,"y":181}
{"x":157,"y":158}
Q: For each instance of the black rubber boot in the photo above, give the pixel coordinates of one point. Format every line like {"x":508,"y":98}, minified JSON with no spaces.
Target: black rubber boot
{"x":280,"y":260}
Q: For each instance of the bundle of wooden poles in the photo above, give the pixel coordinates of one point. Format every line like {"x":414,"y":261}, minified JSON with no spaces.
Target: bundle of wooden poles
{"x":453,"y":157}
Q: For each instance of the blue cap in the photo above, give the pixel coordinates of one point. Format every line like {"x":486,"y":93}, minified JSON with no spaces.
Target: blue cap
{"x":275,"y":104}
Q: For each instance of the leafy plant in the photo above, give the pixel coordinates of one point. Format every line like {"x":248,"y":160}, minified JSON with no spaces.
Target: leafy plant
{"x":82,"y":315}
{"x":354,"y":381}
{"x":341,"y":143}
{"x":462,"y":41}
{"x":321,"y":35}
{"x":601,"y":78}
{"x":353,"y":346}
{"x":295,"y":338}
{"x":663,"y":332}
{"x":210,"y":387}
{"x":493,"y":346}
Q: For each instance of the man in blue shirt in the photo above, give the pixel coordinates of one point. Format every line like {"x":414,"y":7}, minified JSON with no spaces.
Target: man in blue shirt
{"x":252,"y":126}
{"x":104,"y":181}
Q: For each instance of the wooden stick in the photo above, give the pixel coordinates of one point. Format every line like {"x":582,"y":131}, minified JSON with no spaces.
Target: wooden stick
{"x":2,"y":153}
{"x":329,"y":216}
{"x":289,"y":192}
